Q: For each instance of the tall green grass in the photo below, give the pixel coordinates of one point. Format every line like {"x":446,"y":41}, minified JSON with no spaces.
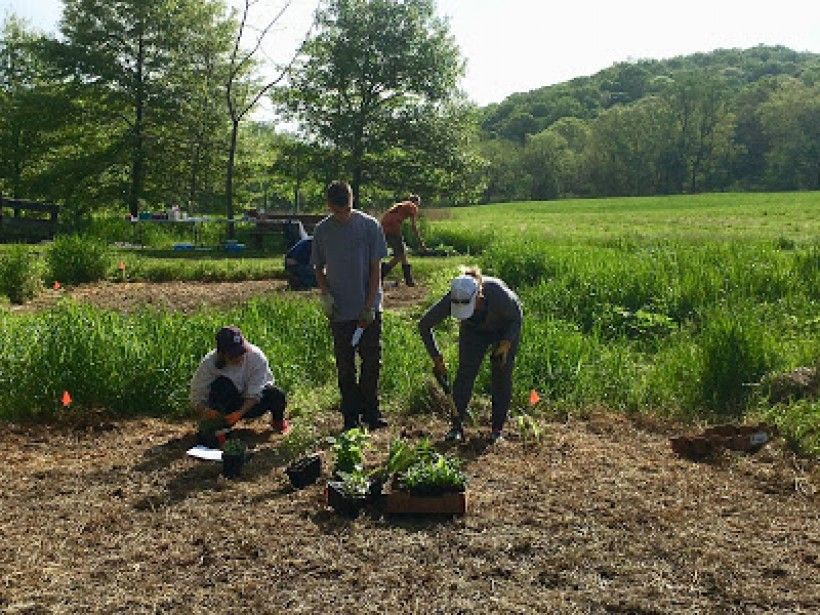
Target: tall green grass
{"x":143,"y":362}
{"x":678,"y":307}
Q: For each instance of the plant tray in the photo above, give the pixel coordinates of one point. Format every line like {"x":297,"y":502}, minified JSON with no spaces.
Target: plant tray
{"x":304,"y":471}
{"x":342,"y":503}
{"x":403,"y":503}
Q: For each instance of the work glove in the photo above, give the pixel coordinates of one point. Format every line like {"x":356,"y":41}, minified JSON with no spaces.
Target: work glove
{"x":439,"y":368}
{"x":327,"y":304}
{"x":501,"y":351}
{"x":233,"y":418}
{"x":441,"y":375}
{"x":366,"y":317}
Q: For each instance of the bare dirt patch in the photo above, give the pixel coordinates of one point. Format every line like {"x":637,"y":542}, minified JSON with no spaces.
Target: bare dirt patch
{"x":598,"y":517}
{"x":189,"y":297}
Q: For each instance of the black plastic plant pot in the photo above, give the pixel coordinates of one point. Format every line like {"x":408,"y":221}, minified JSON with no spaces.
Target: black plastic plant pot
{"x":304,"y":471}
{"x":342,"y":503}
{"x":232,"y":465}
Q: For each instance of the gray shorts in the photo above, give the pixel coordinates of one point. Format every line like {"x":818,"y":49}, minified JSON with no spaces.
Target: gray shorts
{"x":396,"y":244}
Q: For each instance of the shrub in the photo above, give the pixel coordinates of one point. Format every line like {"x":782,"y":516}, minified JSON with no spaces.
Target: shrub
{"x":21,"y":274}
{"x":74,"y":259}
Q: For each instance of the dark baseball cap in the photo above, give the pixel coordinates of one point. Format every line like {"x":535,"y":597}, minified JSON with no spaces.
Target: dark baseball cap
{"x":230,"y":341}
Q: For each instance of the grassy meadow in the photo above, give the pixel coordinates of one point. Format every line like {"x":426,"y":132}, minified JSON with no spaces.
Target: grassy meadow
{"x":681,"y":307}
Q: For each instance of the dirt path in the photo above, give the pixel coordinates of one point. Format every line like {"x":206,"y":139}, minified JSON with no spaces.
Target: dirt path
{"x":599,"y":517}
{"x":189,"y":297}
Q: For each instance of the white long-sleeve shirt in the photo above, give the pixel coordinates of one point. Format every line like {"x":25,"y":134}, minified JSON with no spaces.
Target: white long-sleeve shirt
{"x":250,"y":375}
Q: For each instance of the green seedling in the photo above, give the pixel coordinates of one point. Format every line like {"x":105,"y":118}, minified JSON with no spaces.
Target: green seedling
{"x":528,"y":428}
{"x":234,"y":446}
{"x":355,"y":484}
{"x":349,"y":450}
{"x":433,"y":473}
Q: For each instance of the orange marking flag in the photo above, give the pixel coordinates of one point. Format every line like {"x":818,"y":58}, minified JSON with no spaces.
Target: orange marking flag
{"x":66,"y":399}
{"x":534,"y":397}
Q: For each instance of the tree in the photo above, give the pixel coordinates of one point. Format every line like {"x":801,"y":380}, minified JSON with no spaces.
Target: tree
{"x":125,"y":55}
{"x":242,"y":92}
{"x":369,"y":66}
{"x":24,"y":104}
{"x":790,"y":119}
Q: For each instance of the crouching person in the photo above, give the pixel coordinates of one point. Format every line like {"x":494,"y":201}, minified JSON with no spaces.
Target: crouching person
{"x":234,"y":382}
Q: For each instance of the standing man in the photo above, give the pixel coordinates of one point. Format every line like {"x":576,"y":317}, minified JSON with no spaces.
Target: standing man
{"x":391,"y":224}
{"x":348,"y":246}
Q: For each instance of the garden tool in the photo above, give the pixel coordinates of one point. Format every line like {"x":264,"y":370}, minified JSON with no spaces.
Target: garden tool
{"x":407,"y":270}
{"x":456,"y":434}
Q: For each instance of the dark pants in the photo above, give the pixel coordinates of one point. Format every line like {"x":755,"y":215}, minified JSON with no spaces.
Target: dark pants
{"x":360,"y":397}
{"x":224,"y":397}
{"x":472,"y":346}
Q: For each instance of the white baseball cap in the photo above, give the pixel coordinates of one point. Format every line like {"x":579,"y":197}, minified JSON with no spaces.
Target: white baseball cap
{"x":463,"y":293}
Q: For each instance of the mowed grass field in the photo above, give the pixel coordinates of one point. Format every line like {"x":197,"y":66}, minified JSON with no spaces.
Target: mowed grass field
{"x":748,"y":217}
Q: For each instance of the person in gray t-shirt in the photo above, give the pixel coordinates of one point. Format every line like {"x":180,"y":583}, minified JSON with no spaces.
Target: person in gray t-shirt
{"x":348,"y":247}
{"x":490,"y":317}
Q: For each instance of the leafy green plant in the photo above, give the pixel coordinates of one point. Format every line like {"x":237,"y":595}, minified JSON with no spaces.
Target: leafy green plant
{"x":212,"y":425}
{"x":21,"y":274}
{"x":234,"y":446}
{"x":348,"y":448}
{"x":75,"y":259}
{"x":355,"y":484}
{"x":433,"y":475}
{"x":528,"y":428}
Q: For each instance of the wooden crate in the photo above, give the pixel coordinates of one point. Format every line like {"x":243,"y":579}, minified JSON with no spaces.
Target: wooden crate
{"x":402,"y":503}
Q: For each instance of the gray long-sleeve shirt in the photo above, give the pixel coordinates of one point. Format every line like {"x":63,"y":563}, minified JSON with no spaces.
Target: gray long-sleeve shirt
{"x":501,"y":314}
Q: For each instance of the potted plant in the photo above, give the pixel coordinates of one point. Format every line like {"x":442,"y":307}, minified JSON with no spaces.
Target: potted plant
{"x":348,"y":449}
{"x":304,"y":471}
{"x":350,"y":493}
{"x":424,"y":481}
{"x":233,"y":457}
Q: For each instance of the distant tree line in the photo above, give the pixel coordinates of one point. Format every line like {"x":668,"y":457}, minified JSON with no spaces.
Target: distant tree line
{"x":135,"y":105}
{"x":726,"y":120}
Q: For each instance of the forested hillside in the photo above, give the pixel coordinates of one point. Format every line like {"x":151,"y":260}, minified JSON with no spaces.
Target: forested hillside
{"x":729,"y":119}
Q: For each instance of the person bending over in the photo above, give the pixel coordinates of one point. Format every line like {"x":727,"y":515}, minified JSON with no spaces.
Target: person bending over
{"x":490,"y":318}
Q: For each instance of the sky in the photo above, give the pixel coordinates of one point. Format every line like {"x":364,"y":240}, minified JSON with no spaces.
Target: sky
{"x":520,"y":45}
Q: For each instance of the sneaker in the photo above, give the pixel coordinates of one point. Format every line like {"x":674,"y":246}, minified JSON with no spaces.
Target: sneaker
{"x":454,"y":435}
{"x":350,"y":422}
{"x":281,"y":427}
{"x":375,"y":423}
{"x":496,"y":436}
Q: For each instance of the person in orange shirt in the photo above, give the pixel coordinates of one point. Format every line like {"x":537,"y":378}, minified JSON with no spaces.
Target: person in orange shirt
{"x":391,"y":225}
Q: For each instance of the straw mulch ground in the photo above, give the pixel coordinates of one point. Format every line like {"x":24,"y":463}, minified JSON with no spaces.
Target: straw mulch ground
{"x":597,"y":517}
{"x":189,"y":297}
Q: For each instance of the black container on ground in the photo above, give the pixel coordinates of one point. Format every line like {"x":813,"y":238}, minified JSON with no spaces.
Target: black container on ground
{"x":304,"y":471}
{"x":341,"y":502}
{"x":232,"y":465}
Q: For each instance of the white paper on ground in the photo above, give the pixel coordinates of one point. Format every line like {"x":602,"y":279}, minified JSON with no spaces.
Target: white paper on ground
{"x":357,"y":335}
{"x":203,"y":452}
